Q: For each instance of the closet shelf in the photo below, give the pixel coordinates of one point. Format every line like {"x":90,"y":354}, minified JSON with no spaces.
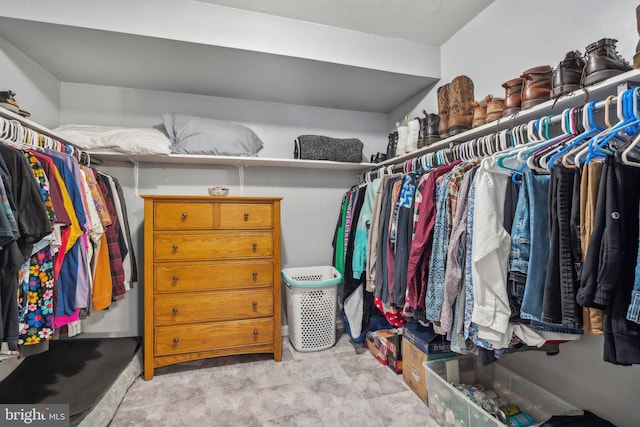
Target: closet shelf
{"x":188,"y":159}
{"x":597,"y":92}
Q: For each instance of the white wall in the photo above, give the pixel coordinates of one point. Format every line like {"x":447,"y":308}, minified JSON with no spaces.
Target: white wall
{"x":505,"y":39}
{"x":511,"y":36}
{"x":312,"y":197}
{"x":36,"y":90}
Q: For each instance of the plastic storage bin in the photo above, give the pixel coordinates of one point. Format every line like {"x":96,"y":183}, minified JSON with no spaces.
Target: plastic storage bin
{"x":452,"y":408}
{"x":311,"y":306}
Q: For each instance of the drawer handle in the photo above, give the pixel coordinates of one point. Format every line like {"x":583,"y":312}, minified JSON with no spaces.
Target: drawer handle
{"x":175,"y":278}
{"x":254,"y":275}
{"x":255,"y":247}
{"x":255,"y":306}
{"x":255,"y":332}
{"x":176,"y":340}
{"x":184,"y":216}
{"x":174,"y":248}
{"x":174,"y":311}
{"x":246,"y":216}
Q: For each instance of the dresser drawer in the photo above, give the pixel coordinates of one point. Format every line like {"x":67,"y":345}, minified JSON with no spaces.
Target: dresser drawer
{"x":199,"y":307}
{"x":246,"y":215}
{"x":168,"y":247}
{"x":183,"y":216}
{"x":210,"y":336}
{"x":180,"y":277}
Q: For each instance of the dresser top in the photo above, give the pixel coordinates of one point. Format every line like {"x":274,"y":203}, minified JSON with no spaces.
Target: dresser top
{"x":211,"y":198}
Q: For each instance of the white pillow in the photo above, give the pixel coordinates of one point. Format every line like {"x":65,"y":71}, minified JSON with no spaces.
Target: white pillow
{"x":121,"y":140}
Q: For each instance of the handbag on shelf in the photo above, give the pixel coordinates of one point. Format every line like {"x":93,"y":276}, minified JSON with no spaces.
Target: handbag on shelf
{"x":318,"y":147}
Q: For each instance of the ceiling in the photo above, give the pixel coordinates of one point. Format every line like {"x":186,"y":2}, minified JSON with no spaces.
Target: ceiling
{"x":426,"y":21}
{"x":74,"y":52}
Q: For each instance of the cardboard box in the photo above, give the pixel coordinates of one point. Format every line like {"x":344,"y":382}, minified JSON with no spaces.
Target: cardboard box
{"x":386,"y":346}
{"x":377,"y":346}
{"x":394,"y":352}
{"x":420,"y":344}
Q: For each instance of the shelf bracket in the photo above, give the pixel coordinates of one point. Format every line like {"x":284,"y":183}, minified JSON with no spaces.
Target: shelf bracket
{"x":136,"y":175}
{"x":240,"y":167}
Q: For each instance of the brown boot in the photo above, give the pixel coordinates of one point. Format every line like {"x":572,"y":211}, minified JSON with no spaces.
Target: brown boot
{"x":512,"y":99}
{"x":636,"y":57}
{"x":537,"y":86}
{"x":443,"y":111}
{"x":460,"y":110}
{"x":495,"y":106}
{"x":603,"y":62}
{"x":479,"y":114}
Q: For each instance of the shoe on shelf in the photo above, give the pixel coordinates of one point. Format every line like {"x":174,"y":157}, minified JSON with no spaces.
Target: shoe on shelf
{"x":512,"y":96}
{"x":428,"y":129}
{"x":566,"y":77}
{"x":495,"y":107}
{"x":443,"y":111}
{"x":8,"y":102}
{"x":536,"y":87}
{"x":603,"y":61}
{"x":479,"y":113}
{"x":460,"y":110}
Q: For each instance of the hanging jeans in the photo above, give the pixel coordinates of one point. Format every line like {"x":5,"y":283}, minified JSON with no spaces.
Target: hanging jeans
{"x":559,"y":303}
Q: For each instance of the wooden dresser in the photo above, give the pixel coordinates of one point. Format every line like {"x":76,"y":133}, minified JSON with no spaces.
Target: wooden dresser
{"x":211,"y":278}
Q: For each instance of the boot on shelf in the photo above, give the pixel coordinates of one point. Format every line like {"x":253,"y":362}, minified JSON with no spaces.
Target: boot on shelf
{"x":403,"y":138}
{"x":460,"y":110}
{"x":566,"y":77}
{"x":443,"y":111}
{"x":603,"y":62}
{"x":512,"y":96}
{"x":495,"y":107}
{"x":413,"y":127}
{"x":536,"y":87}
{"x":479,"y":113}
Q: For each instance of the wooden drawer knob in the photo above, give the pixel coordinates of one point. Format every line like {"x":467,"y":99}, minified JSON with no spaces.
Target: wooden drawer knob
{"x":254,"y":275}
{"x":184,"y":216}
{"x":174,"y":278}
{"x":255,"y":306}
{"x":255,"y":332}
{"x":174,"y":248}
{"x":246,"y":216}
{"x":176,"y":340}
{"x":255,"y":247}
{"x":175,"y":310}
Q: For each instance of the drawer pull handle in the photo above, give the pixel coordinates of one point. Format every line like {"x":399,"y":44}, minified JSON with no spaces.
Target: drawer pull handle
{"x":174,"y":311}
{"x":255,"y":332}
{"x":176,"y":340}
{"x":255,"y":247}
{"x":175,"y":278}
{"x":184,"y":216}
{"x":174,"y":248}
{"x":254,"y":275}
{"x":246,"y":216}
{"x":255,"y":306}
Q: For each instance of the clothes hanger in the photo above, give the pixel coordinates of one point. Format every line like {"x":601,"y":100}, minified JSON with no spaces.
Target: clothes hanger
{"x":632,"y":146}
{"x":582,"y":141}
{"x":626,"y":102}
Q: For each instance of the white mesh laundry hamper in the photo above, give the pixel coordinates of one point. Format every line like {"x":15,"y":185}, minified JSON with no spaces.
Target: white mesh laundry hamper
{"x":312,"y":294}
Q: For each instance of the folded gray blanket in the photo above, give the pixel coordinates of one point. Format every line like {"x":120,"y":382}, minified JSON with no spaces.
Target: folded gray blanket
{"x":318,"y":147}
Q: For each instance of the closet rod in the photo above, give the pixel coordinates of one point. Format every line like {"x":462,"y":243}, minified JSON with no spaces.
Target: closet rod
{"x":10,"y":115}
{"x":448,"y":143}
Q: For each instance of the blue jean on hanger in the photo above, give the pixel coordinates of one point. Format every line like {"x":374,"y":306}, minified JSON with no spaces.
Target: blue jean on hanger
{"x":633,"y":312}
{"x":535,"y":191}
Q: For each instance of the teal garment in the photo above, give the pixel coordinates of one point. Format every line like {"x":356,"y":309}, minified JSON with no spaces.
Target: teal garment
{"x":339,"y":257}
{"x":360,"y":246}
